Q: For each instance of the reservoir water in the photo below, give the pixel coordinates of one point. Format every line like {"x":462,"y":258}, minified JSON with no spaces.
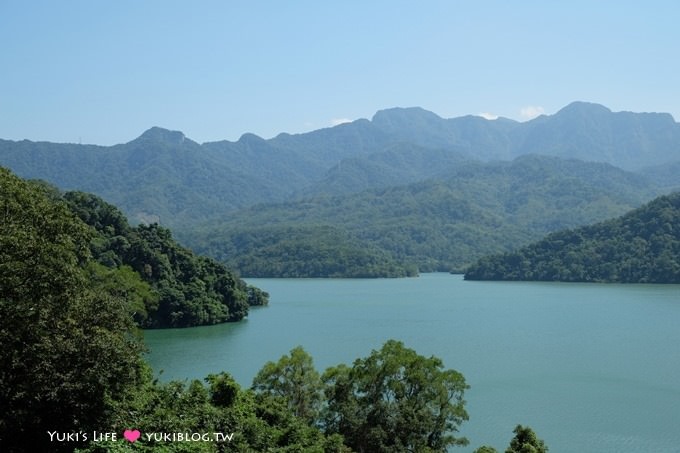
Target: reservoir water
{"x":590,"y":367}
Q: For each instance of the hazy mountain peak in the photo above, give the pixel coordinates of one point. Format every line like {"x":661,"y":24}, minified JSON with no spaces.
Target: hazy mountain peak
{"x":158,"y":134}
{"x":583,"y":108}
{"x":400,"y":114}
{"x":249,"y":137}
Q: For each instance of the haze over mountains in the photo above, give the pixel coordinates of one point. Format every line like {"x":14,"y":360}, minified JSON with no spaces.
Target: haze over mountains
{"x":362,"y":177}
{"x":164,"y":175}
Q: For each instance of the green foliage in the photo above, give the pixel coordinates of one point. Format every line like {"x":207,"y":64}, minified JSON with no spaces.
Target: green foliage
{"x":467,"y":211}
{"x":526,"y":441}
{"x":294,"y":379}
{"x":68,"y":350}
{"x":485,"y":449}
{"x":642,"y":246}
{"x":182,"y":290}
{"x":395,"y":400}
{"x":123,"y":282}
{"x":314,"y":251}
{"x":396,"y":165}
{"x":257,"y":422}
{"x":72,"y":359}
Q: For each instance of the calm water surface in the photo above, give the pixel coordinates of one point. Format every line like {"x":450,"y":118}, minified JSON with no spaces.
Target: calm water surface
{"x":592,"y":368}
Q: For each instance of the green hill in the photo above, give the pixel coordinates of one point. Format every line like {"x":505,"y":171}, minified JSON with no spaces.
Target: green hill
{"x":167,"y":284}
{"x":642,"y":246}
{"x":184,"y":289}
{"x":440,"y":224}
{"x":304,"y":251}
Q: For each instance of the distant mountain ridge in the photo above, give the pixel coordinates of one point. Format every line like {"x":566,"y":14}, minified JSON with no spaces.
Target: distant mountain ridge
{"x":165,"y":176}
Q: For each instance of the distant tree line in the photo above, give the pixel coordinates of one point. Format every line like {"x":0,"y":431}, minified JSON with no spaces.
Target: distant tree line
{"x":306,"y":251}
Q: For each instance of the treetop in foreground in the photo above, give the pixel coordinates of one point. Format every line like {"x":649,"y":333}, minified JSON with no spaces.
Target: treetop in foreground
{"x":394,"y":400}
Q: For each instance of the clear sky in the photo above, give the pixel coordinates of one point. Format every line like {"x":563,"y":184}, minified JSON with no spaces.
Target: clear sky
{"x":104,"y":71}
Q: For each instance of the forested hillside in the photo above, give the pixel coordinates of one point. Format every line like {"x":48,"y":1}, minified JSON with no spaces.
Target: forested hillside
{"x":166,"y":284}
{"x":287,"y":251}
{"x":68,"y":354}
{"x":183,"y":289}
{"x":440,"y":224}
{"x":642,"y":246}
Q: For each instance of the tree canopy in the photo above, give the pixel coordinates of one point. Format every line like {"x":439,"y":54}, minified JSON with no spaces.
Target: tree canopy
{"x":526,"y":441}
{"x":186,"y":289}
{"x":68,"y":349}
{"x":294,"y":379}
{"x":396,"y":400}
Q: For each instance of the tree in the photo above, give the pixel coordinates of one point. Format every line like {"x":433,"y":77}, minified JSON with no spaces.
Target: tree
{"x":526,"y":441}
{"x":259,"y":422}
{"x":123,"y":282}
{"x":395,"y":400}
{"x":294,"y":379}
{"x":485,"y":449}
{"x":68,"y":352}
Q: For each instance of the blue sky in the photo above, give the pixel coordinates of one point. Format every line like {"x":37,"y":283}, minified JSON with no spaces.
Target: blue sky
{"x":104,"y":71}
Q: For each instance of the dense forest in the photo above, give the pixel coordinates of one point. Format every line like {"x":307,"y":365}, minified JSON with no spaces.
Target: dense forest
{"x":72,"y":363}
{"x":642,"y":246}
{"x":440,"y":224}
{"x":305,"y":251}
{"x":169,"y":285}
{"x":184,"y":289}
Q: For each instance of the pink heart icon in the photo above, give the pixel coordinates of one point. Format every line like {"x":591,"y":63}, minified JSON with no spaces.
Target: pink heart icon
{"x":131,"y":435}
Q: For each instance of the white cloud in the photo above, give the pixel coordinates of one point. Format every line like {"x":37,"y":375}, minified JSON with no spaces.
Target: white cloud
{"x":488,"y":116}
{"x":337,"y":121}
{"x":531,"y":111}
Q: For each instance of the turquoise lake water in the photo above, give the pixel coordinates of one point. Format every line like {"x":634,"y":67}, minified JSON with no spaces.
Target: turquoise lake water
{"x":590,"y":367}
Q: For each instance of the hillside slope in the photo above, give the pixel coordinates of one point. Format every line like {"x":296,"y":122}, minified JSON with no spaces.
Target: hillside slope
{"x":642,"y":246}
{"x":439,"y":224}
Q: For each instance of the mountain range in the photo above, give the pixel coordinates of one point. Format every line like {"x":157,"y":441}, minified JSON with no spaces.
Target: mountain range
{"x":406,"y":185}
{"x":164,"y":176}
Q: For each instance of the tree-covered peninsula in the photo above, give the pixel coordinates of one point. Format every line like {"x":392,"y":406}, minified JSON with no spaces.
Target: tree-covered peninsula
{"x":185,"y":289}
{"x":642,"y":246}
{"x":167,"y":285}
